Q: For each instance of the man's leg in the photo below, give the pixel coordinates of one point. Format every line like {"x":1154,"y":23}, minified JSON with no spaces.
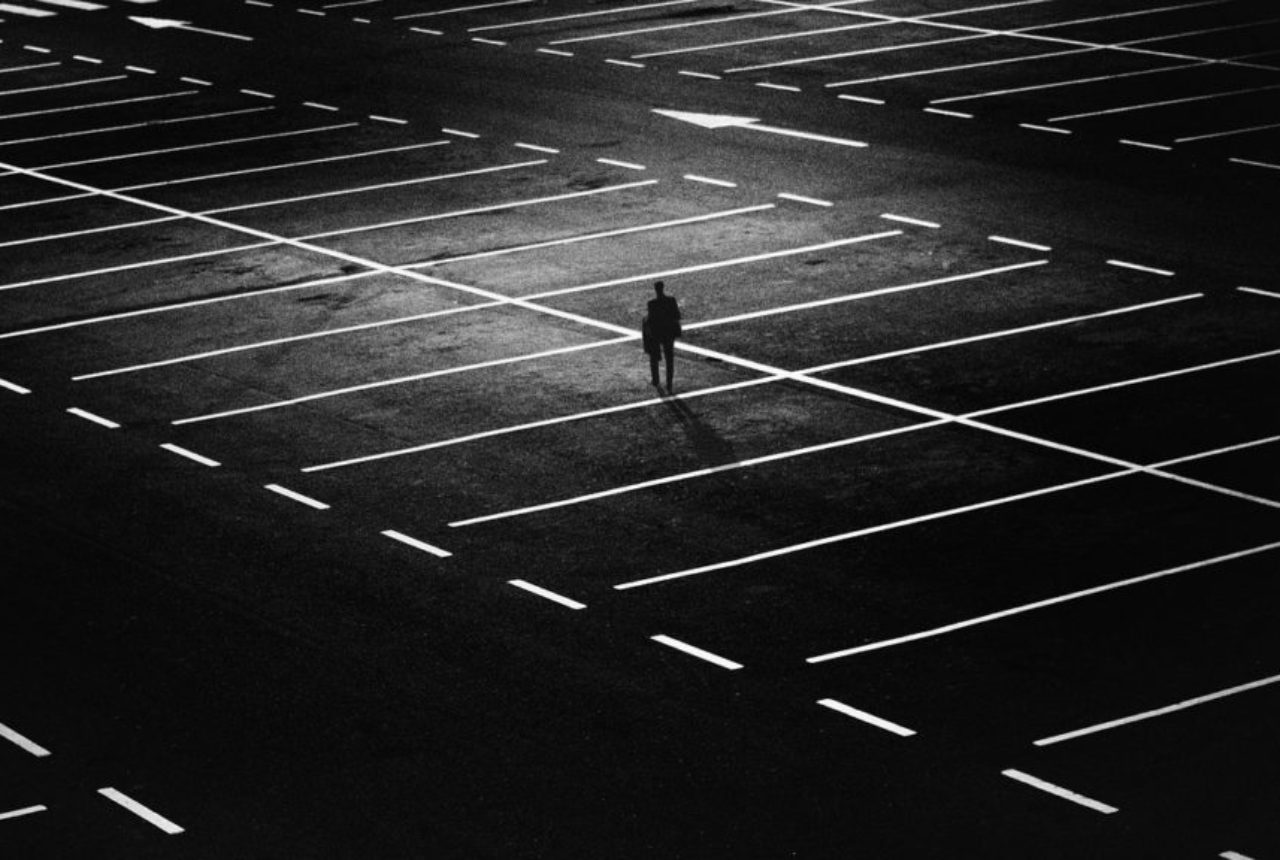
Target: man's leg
{"x":653,"y":366}
{"x":669,"y":353}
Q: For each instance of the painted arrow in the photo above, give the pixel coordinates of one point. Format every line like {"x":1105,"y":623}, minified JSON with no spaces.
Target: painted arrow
{"x":720,"y":120}
{"x":172,"y":24}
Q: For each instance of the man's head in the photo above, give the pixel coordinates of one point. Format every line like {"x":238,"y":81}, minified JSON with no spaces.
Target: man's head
{"x":658,"y":287}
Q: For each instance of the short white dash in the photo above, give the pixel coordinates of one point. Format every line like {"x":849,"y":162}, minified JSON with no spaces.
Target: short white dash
{"x":954,"y":113}
{"x":535,"y":148}
{"x":427,"y":31}
{"x":1033,"y":127}
{"x":96,"y":419}
{"x":142,"y":70}
{"x":484,"y":41}
{"x":190,"y":455}
{"x":1258,"y":292}
{"x":1234,"y":855}
{"x":627,"y":63}
{"x":31,"y":810}
{"x":391,"y":119}
{"x":707,"y":180}
{"x":1059,"y":791}
{"x":879,"y":722}
{"x":706,"y":76}
{"x":555,"y":52}
{"x":258,"y":94}
{"x":259,"y":3}
{"x":456,"y":133}
{"x":696,"y":652}
{"x":311,"y":12}
{"x":196,"y":81}
{"x":416,"y":544}
{"x":800,"y":198}
{"x":14,"y":387}
{"x":1137,"y":268}
{"x":94,"y":60}
{"x":361,"y":21}
{"x":22,"y":741}
{"x":319,"y":106}
{"x":1250,"y":163}
{"x":141,"y":811}
{"x":1018,"y":243}
{"x":297,"y":497}
{"x":902,"y":219}
{"x":549,"y":595}
{"x":863,"y":99}
{"x":37,"y":49}
{"x":627,"y":164}
{"x":786,"y":88}
{"x":1144,"y":145}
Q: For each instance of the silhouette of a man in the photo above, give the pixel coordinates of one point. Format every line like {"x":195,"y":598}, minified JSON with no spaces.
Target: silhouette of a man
{"x":663,"y":324}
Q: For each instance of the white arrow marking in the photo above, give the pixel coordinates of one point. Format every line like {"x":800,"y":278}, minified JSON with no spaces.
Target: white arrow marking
{"x":171,"y":23}
{"x":717,"y":120}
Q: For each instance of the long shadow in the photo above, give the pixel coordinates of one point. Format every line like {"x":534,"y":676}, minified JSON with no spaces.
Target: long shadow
{"x":711,"y":448}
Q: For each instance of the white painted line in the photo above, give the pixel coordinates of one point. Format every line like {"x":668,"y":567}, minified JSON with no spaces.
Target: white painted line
{"x":92,"y":60}
{"x":37,"y":49}
{"x":141,"y":811}
{"x":863,"y":99}
{"x":14,"y":387}
{"x":1258,"y":292}
{"x":460,"y":9}
{"x":1018,"y":243}
{"x":128,"y":267}
{"x":319,"y":106}
{"x":800,"y":198}
{"x":693,"y":177}
{"x":549,"y":595}
{"x":53,"y":237}
{"x":579,"y":15}
{"x":555,"y":52}
{"x":416,"y":544}
{"x":626,"y":63}
{"x":1137,"y":268}
{"x":316,"y":12}
{"x":1142,"y":144}
{"x":65,"y":85}
{"x":34,"y":66}
{"x":1229,"y":133}
{"x":535,"y":148}
{"x":1233,"y":855}
{"x":26,"y":12}
{"x":954,"y":113}
{"x":22,"y":741}
{"x":1069,"y":83}
{"x":142,"y":70}
{"x":696,"y":652}
{"x":31,"y":810}
{"x":426,"y":31}
{"x":1250,"y":163}
{"x":1041,"y":604}
{"x":297,"y":497}
{"x":706,"y":76}
{"x":710,"y":22}
{"x":1165,"y":103}
{"x":96,"y":419}
{"x":629,"y":165}
{"x":95,"y":105}
{"x":787,"y":88}
{"x":1217,"y":452}
{"x":197,"y":81}
{"x":1033,"y":127}
{"x":361,"y":21}
{"x":1059,"y":791}
{"x":863,"y":532}
{"x":493,"y":42}
{"x":878,"y":722}
{"x":1158,"y":712}
{"x":797,"y":61}
{"x":740,"y":43}
{"x":457,"y":133}
{"x":190,"y":455}
{"x":260,"y":3}
{"x":258,"y":94}
{"x":916,"y":221}
{"x":388,"y":119}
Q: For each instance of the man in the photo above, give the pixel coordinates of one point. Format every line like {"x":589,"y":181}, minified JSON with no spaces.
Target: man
{"x":662,"y":327}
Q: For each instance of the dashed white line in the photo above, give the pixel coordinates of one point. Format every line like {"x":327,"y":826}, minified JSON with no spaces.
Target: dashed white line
{"x":706,"y":76}
{"x":459,"y":133}
{"x":388,"y":119}
{"x":96,"y":419}
{"x":533,"y":147}
{"x":23,"y":742}
{"x":258,"y":94}
{"x":416,"y":544}
{"x":953,"y":113}
{"x":629,"y":64}
{"x":150,"y":816}
{"x":1059,"y":791}
{"x":31,"y":810}
{"x":190,"y":455}
{"x":546,"y":593}
{"x":629,"y":165}
{"x":694,"y":651}
{"x":786,"y":88}
{"x":1030,"y":126}
{"x":1158,"y":712}
{"x":1019,"y":243}
{"x":142,"y":70}
{"x":707,"y":180}
{"x":878,"y":722}
{"x":427,"y":31}
{"x":14,"y":387}
{"x":1142,"y":144}
{"x":800,"y":198}
{"x":197,"y":81}
{"x":863,"y":99}
{"x":495,"y":42}
{"x":37,"y":49}
{"x":902,"y":219}
{"x":555,"y":52}
{"x":319,"y":106}
{"x":315,"y":12}
{"x":1122,"y":264}
{"x":297,"y":497}
{"x":92,"y":60}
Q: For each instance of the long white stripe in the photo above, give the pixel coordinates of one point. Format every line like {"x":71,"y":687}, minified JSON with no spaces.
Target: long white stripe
{"x":1158,"y":712}
{"x":14,"y":387}
{"x":1229,"y":133}
{"x":714,"y":659}
{"x":737,"y":43}
{"x":729,"y":19}
{"x":64,"y":85}
{"x":117,"y":102}
{"x":81,"y":5}
{"x":96,"y":419}
{"x":29,"y":67}
{"x":26,"y":11}
{"x":1041,"y":604}
{"x":1059,"y":791}
{"x":549,"y":595}
{"x":878,"y":722}
{"x":23,"y":742}
{"x":1257,"y":292}
{"x":110,"y":228}
{"x":416,"y":544}
{"x":1163,"y":103}
{"x":126,"y":267}
{"x":151,"y":817}
{"x":26,"y":810}
{"x":132,"y":125}
{"x":459,"y":9}
{"x":559,"y":18}
{"x":190,"y":455}
{"x":297,"y":497}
